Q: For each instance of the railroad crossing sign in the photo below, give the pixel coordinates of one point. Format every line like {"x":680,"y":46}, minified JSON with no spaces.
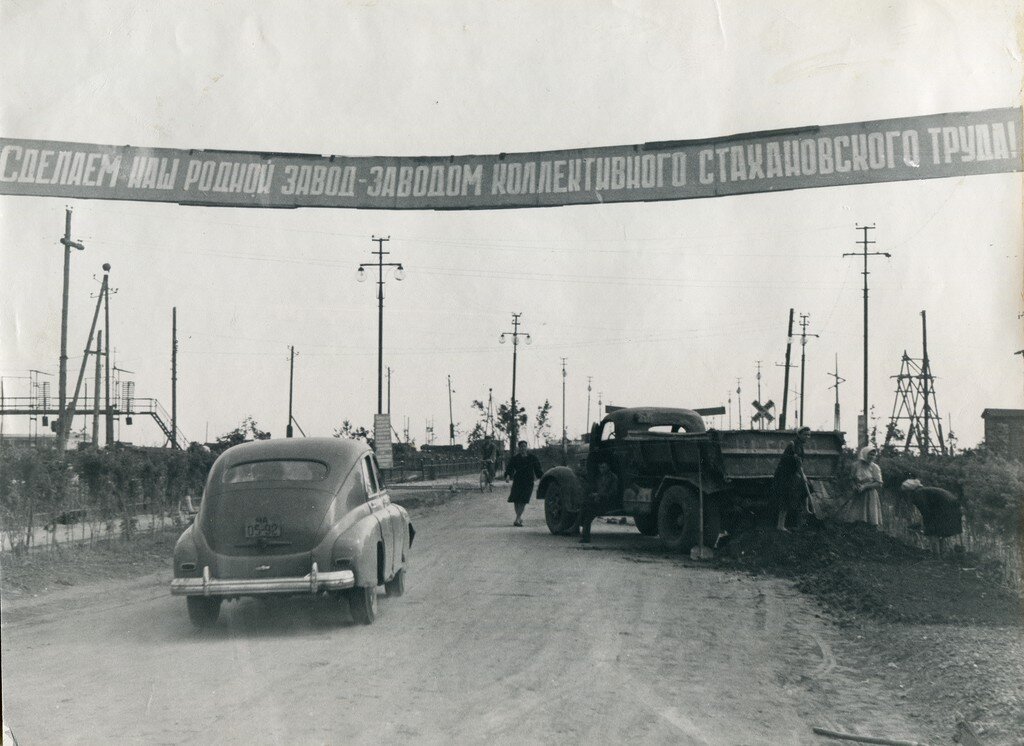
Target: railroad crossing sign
{"x":764,"y":415}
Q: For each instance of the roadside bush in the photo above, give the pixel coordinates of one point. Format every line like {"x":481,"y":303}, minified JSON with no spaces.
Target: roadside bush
{"x":32,"y":481}
{"x":109,"y":484}
{"x":991,"y":488}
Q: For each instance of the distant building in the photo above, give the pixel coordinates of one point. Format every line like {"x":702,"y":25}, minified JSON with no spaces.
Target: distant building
{"x":1004,"y":432}
{"x":44,"y":439}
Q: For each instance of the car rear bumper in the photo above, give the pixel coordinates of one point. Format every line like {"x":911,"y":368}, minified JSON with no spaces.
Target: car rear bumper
{"x":314,"y":582}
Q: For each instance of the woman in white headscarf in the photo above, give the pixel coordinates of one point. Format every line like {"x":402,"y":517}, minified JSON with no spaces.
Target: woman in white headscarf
{"x":867,"y":479}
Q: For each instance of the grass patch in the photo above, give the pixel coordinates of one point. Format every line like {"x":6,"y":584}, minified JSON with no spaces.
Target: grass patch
{"x":61,"y":566}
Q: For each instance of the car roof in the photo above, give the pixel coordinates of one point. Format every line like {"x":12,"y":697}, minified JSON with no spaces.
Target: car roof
{"x":335,"y":452}
{"x":640,"y":418}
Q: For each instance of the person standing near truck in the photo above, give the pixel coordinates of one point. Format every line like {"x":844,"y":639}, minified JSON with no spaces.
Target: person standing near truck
{"x":595,"y":503}
{"x":789,"y":489}
{"x":522,"y":469}
{"x":867,"y":481}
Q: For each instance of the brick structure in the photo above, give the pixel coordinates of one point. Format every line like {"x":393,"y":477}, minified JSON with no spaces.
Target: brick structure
{"x":1004,"y":432}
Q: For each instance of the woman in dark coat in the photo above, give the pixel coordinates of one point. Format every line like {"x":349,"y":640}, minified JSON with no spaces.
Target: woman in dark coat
{"x":788,"y":488}
{"x":522,"y":468}
{"x":941,"y":516}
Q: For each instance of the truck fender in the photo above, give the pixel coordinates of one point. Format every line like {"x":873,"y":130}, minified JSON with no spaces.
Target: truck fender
{"x":561,"y":513}
{"x":572,"y":488}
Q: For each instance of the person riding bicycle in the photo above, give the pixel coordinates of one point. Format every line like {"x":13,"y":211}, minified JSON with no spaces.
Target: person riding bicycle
{"x":489,"y":456}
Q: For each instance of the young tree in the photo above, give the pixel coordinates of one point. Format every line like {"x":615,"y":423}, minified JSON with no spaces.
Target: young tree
{"x":542,"y":423}
{"x":503,"y":421}
{"x":247,"y":430}
{"x":348,"y":430}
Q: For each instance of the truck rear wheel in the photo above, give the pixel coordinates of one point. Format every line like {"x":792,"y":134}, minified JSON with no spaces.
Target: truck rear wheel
{"x":559,"y":492}
{"x":647,"y":524}
{"x":679,"y":519}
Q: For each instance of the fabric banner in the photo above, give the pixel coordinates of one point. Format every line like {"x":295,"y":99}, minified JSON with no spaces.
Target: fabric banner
{"x":922,"y":147}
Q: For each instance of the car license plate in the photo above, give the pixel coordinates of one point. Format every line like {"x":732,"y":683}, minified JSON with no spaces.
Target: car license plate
{"x":262,"y":528}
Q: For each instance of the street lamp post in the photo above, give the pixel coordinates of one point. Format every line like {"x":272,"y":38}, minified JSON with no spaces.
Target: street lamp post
{"x":515,"y":334}
{"x":380,"y":264}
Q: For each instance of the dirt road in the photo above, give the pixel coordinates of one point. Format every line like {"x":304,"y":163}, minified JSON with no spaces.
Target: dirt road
{"x":505,"y":635}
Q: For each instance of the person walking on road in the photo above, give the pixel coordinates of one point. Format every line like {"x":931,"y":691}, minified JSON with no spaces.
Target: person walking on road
{"x":867,"y":480}
{"x":941,"y":516}
{"x":595,"y":503}
{"x":522,"y":469}
{"x":789,"y":487}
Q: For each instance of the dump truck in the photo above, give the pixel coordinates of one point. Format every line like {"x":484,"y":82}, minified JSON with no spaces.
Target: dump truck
{"x":676,"y":475}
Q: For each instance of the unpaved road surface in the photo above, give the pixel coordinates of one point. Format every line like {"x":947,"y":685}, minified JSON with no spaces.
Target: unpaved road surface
{"x":504,"y":635}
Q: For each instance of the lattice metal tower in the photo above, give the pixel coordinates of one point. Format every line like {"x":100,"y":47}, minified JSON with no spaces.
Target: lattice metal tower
{"x":915,"y":413}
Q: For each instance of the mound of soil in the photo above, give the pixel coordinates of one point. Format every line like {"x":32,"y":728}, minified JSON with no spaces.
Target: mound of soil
{"x":941,"y":632}
{"x":856,"y":571}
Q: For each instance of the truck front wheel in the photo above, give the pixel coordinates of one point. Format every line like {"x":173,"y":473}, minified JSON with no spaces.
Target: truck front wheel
{"x":559,"y":490}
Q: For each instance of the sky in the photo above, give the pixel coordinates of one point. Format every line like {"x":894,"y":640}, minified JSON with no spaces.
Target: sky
{"x":666,"y":303}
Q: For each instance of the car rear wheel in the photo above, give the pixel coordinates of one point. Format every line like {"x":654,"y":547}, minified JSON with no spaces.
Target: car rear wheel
{"x":203,"y":612}
{"x":362,"y":602}
{"x":396,"y":586}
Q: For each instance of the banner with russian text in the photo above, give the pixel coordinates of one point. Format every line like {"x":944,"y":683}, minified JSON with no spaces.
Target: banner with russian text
{"x":922,"y":147}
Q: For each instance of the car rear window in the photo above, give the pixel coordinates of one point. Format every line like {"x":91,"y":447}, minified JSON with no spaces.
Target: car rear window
{"x":280,"y":470}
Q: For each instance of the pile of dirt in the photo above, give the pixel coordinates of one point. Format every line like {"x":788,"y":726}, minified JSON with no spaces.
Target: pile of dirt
{"x":856,"y":571}
{"x":942,"y":632}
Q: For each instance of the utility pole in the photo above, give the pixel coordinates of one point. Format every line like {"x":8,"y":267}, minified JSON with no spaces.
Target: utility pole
{"x":288,"y":431}
{"x":862,"y":437}
{"x":739,"y":405}
{"x":803,"y":360}
{"x":106,"y":362}
{"x":589,"y":379}
{"x":1021,"y":353}
{"x":389,"y":390}
{"x":96,"y":392}
{"x":565,"y":447}
{"x":515,"y":334}
{"x":758,"y":377}
{"x":380,"y":264}
{"x":70,"y":408}
{"x":785,"y":385}
{"x":63,"y":426}
{"x":490,"y":412}
{"x":451,"y":418}
{"x":600,"y":403}
{"x":729,"y":401}
{"x":174,"y":378}
{"x":835,"y":386}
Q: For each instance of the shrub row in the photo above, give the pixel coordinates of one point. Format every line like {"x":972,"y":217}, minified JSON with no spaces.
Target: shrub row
{"x":991,"y":488}
{"x":42,"y":484}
